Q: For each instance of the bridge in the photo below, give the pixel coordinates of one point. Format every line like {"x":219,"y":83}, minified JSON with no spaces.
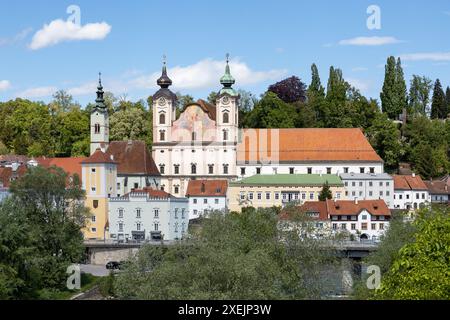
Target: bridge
{"x":100,"y":252}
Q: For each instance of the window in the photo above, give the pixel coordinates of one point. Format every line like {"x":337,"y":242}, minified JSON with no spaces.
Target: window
{"x":120,"y":227}
{"x":138,"y":226}
{"x":370,"y":193}
{"x":328,"y":170}
{"x":242,"y":195}
{"x":195,"y":201}
{"x":346,"y":183}
{"x":353,"y":184}
{"x":120,"y":213}
{"x":225,"y":169}
{"x":360,"y":184}
{"x":291,"y":170}
{"x":400,"y":196}
{"x":267,"y":195}
{"x":381,"y":193}
{"x":387,"y":183}
{"x":370,"y":183}
{"x":138,"y":213}
{"x":277,"y":196}
{"x":242,"y":171}
{"x":334,"y":226}
{"x":95,"y":204}
{"x":216,"y":201}
{"x":93,"y":218}
{"x":372,"y":170}
{"x":136,"y":185}
{"x":303,"y":196}
{"x":162,"y":118}
{"x":182,"y":213}
{"x":176,"y":213}
{"x":93,"y":189}
{"x":364,"y":226}
{"x":417,"y":196}
{"x":388,"y":193}
{"x":193,"y":136}
{"x":250,"y":195}
{"x":353,"y":193}
{"x":338,"y":195}
{"x":118,"y":185}
{"x":226,"y":117}
{"x":205,"y":201}
{"x":381,"y":226}
{"x":193,"y":169}
{"x":93,"y":170}
{"x":97,"y":128}
{"x":225,"y":135}
{"x":373,"y":226}
{"x":162,"y":135}
{"x":311,"y":195}
{"x":176,"y":169}
{"x":343,"y":226}
{"x":361,"y":170}
{"x":176,"y":189}
{"x":195,"y":212}
{"x":364,"y":217}
{"x":381,"y":183}
{"x":156,"y":226}
{"x":353,"y":226}
{"x":346,"y":170}
{"x":360,"y":193}
{"x":210,"y":169}
{"x":258,"y":170}
{"x":156,"y":212}
{"x":309,"y":170}
{"x":423,"y":195}
{"x":259,"y":195}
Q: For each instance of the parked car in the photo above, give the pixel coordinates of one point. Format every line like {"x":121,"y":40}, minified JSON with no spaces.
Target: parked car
{"x":113,"y":265}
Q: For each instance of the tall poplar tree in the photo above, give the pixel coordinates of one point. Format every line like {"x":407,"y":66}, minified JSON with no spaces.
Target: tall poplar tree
{"x":393,"y":95}
{"x":439,"y":104}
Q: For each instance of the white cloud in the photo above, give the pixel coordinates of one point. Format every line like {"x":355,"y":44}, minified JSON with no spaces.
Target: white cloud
{"x":369,"y":41}
{"x":16,"y":38}
{"x":38,"y":92}
{"x":84,"y":89}
{"x":206,"y":74}
{"x":4,"y":85}
{"x":58,"y":31}
{"x":427,"y":56}
{"x":362,"y":84}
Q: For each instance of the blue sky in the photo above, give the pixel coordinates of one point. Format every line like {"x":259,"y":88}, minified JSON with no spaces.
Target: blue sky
{"x":267,"y":40}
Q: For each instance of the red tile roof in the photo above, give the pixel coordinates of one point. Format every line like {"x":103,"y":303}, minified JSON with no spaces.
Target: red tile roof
{"x":408,"y":182}
{"x":5,"y":176}
{"x":133,"y":157}
{"x":308,"y":144}
{"x":99,"y":157}
{"x":309,"y":207}
{"x":350,"y":207}
{"x":437,"y":187}
{"x":207,"y":188}
{"x":69,"y":165}
{"x":153,"y":193}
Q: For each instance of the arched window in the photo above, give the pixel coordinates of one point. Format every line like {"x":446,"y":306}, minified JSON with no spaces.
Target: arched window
{"x":162,"y":135}
{"x":193,"y":169}
{"x":97,"y":128}
{"x":226,"y":117}
{"x":225,"y":135}
{"x":194,"y":136}
{"x":162,"y":118}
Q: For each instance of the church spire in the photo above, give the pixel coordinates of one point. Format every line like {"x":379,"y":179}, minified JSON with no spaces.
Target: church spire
{"x":100,"y":101}
{"x":164,"y":81}
{"x":227,"y":79}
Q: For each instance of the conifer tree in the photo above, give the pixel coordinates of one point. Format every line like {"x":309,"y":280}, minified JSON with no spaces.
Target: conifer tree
{"x":393,"y":95}
{"x":438,"y":105}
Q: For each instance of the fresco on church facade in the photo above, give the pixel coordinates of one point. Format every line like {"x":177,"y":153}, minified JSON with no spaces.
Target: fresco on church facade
{"x":194,"y":119}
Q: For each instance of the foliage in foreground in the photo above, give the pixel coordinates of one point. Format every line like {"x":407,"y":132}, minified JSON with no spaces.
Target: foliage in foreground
{"x":40,"y":234}
{"x":236,"y":256}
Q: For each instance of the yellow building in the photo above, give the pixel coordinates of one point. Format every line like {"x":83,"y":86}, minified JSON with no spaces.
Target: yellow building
{"x":265,"y":191}
{"x":99,"y":174}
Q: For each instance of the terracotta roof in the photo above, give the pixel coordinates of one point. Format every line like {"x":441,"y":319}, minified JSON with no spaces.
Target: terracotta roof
{"x":437,"y":187}
{"x":133,"y":157}
{"x":309,"y":207}
{"x":408,"y":182}
{"x":13,"y":158}
{"x":206,"y":106}
{"x":98,"y":157}
{"x":350,"y":207}
{"x":207,"y":188}
{"x":5,"y":176}
{"x":69,"y":165}
{"x":154,"y":193}
{"x":308,"y":144}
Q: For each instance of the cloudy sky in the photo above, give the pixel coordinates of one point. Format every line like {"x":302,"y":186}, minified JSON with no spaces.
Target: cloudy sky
{"x":46,"y":45}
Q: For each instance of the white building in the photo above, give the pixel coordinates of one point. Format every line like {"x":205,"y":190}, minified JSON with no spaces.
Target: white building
{"x":410,"y":192}
{"x":201,"y":143}
{"x":206,"y":196}
{"x":369,"y":186}
{"x":148,"y":215}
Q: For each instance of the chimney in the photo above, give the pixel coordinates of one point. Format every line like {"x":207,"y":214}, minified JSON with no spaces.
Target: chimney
{"x":356,"y":200}
{"x":112,"y":157}
{"x":413,"y":175}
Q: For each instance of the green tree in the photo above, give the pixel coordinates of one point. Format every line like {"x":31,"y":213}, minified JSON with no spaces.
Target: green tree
{"x":393,"y":95}
{"x":336,"y":100}
{"x":419,"y":95}
{"x":420,"y":270}
{"x":72,"y":127}
{"x":212,"y":97}
{"x":325,"y":193}
{"x":438,"y":104}
{"x":384,"y":137}
{"x":130,"y":124}
{"x":62,"y":102}
{"x":447,"y":99}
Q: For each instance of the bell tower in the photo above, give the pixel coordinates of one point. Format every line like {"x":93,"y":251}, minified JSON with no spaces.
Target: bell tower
{"x":227,"y":108}
{"x":164,"y":108}
{"x":99,"y":121}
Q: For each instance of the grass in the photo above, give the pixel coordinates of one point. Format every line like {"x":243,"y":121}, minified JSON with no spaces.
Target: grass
{"x":88,"y":281}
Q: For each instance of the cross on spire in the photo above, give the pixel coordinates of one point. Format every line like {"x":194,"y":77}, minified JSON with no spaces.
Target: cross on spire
{"x":228,"y":57}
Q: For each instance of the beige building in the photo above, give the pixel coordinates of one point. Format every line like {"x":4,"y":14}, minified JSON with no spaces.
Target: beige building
{"x":265,"y":191}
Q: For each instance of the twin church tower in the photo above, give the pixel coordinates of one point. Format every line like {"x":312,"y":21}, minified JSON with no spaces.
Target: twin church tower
{"x":200,"y":144}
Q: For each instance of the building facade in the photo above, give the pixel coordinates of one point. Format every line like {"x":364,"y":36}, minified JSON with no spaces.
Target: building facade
{"x":266,"y":191}
{"x":148,"y":215}
{"x":206,"y":196}
{"x":439,"y":191}
{"x":369,"y":186}
{"x":410,"y":192}
{"x":201,"y":143}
